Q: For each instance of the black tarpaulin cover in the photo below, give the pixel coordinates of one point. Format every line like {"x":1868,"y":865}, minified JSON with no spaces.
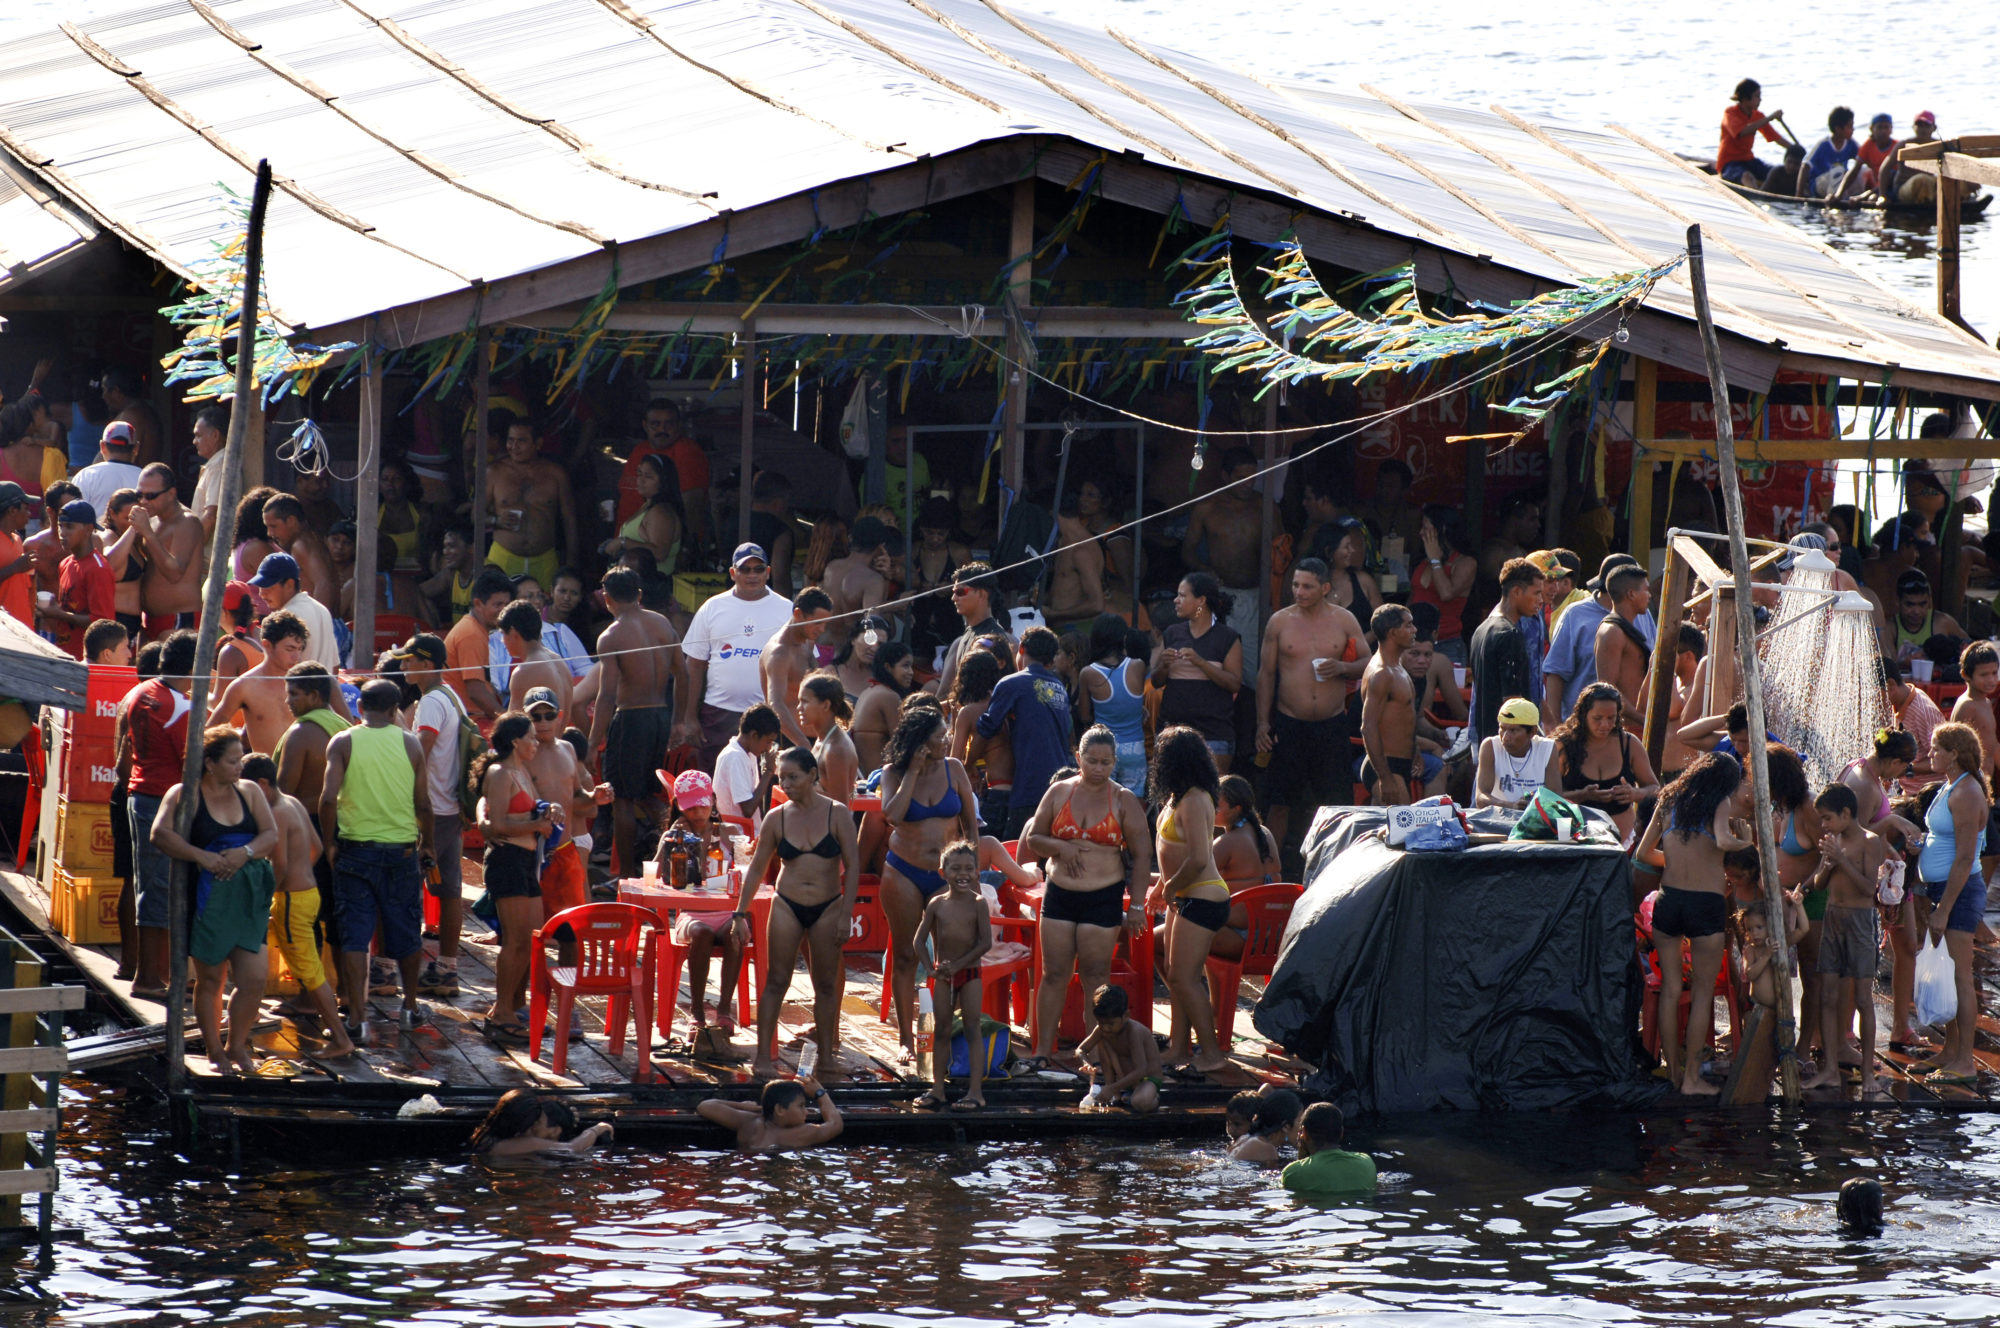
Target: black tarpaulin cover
{"x":1500,"y":978}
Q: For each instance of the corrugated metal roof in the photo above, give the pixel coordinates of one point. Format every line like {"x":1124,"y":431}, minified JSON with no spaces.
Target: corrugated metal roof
{"x":423,"y":146}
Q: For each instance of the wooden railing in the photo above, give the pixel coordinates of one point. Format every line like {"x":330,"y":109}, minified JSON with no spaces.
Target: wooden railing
{"x":32,"y":1062}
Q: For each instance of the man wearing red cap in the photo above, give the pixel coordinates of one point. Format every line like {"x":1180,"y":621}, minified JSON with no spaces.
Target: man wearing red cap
{"x":1900,"y":184}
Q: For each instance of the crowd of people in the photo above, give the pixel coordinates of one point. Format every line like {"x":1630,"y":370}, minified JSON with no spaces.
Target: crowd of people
{"x":587,"y":705}
{"x":1839,"y":166}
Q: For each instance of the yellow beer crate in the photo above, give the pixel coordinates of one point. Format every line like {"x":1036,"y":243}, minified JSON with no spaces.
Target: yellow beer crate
{"x":86,"y":907}
{"x":83,"y":837}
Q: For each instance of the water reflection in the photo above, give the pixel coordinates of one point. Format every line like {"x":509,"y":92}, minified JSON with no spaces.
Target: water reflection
{"x":1536,"y":1220}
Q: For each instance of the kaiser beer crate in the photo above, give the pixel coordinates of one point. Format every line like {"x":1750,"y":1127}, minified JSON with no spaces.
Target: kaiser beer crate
{"x":89,"y":767}
{"x":83,"y":837}
{"x":86,"y":907}
{"x":106,"y":688}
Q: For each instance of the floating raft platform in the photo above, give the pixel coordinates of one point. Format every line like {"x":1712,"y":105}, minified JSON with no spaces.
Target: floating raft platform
{"x":352,"y":1107}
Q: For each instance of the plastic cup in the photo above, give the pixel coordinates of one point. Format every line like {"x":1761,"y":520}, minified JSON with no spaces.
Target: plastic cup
{"x":607,"y":509}
{"x":1319,"y":668}
{"x":1458,"y":675}
{"x":1921,"y":670}
{"x":1563,"y":829}
{"x":650,"y":872}
{"x":46,"y":598}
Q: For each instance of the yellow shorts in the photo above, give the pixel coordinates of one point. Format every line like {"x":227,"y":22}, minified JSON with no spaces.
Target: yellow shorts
{"x":541,"y":566}
{"x":293,"y":913}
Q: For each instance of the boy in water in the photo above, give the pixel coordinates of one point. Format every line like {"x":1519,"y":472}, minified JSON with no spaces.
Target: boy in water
{"x":1121,"y":1055}
{"x":1324,"y":1167}
{"x":779,"y":1119}
{"x":1851,"y":935}
{"x":956,"y":924}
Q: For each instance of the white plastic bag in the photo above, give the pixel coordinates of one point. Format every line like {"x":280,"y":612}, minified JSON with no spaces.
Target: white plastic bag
{"x":1937,"y":985}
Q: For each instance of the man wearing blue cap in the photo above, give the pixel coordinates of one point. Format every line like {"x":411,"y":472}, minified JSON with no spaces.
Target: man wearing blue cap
{"x":86,"y":590}
{"x":278,"y":577}
{"x":723,"y":645}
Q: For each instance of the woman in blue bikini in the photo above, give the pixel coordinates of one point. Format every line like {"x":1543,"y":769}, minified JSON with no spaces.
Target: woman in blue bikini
{"x":928,"y":802}
{"x":819,"y":871}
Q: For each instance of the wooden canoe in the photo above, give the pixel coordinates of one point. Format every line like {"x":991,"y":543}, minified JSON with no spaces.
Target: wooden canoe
{"x":1969,"y":208}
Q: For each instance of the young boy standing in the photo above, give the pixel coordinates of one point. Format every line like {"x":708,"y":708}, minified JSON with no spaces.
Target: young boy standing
{"x":956,"y":924}
{"x":1851,"y":934}
{"x":295,"y":907}
{"x":1323,"y":1166}
{"x":1121,"y":1055}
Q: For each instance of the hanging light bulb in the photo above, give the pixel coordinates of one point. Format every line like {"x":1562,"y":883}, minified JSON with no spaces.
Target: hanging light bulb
{"x":1621,"y":336}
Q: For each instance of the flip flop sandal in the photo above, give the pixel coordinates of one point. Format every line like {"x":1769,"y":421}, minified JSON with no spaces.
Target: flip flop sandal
{"x":929,"y":1102}
{"x":966,"y":1104}
{"x":504,"y":1034}
{"x":277,"y":1068}
{"x":1186,"y":1074}
{"x":1941,"y":1078}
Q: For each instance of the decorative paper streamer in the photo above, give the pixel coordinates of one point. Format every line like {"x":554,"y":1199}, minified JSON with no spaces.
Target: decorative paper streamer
{"x":1314,"y":337}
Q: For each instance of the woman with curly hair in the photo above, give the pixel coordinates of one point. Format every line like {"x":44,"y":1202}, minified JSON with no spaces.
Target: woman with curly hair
{"x":1184,"y":792}
{"x":1700,"y":819}
{"x":829,"y":541}
{"x":1596,"y":763}
{"x":928,"y":802}
{"x":250,"y":540}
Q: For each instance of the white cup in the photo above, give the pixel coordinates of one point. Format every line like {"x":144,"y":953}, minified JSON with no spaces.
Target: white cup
{"x":1562,"y":829}
{"x":607,"y":508}
{"x":1458,"y":675}
{"x":649,"y":871}
{"x":46,"y":598}
{"x":1320,"y":669}
{"x":1921,"y":670}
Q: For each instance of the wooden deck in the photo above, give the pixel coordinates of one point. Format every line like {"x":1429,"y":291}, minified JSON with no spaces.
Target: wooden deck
{"x":450,"y":1059}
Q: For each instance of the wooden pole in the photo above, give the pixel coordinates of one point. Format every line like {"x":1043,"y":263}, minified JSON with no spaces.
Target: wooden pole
{"x":180,"y":888}
{"x":1267,"y":515}
{"x":482,"y":395}
{"x":747,"y":344}
{"x":1666,"y":647}
{"x":1020,"y":294}
{"x":1753,"y":686}
{"x":1645,"y":403}
{"x":367,"y":504}
{"x":1947,"y":248}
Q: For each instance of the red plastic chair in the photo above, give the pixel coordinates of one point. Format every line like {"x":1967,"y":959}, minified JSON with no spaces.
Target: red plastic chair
{"x":1269,"y":908}
{"x":616,"y":956}
{"x":1131,"y":969}
{"x":31,"y":809}
{"x":1008,"y":975}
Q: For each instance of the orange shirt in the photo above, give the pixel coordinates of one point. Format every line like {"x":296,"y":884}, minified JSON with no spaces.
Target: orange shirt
{"x":17,"y":592}
{"x":466,"y":655}
{"x":1735,"y":147}
{"x":1872,"y":157}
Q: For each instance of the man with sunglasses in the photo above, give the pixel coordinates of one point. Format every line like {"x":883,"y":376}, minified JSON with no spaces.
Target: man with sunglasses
{"x":170,"y":591}
{"x":972,"y":591}
{"x":724,"y":643}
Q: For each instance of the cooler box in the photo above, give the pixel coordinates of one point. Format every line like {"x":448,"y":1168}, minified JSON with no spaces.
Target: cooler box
{"x":83,"y":837}
{"x":86,"y":907}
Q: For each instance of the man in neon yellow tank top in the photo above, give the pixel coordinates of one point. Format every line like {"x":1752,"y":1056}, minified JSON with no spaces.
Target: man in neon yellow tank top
{"x":376,"y":822}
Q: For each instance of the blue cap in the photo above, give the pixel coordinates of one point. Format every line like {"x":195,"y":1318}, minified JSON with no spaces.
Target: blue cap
{"x":1882,"y":117}
{"x":745,"y":552}
{"x":78,"y":513}
{"x":276,"y":567}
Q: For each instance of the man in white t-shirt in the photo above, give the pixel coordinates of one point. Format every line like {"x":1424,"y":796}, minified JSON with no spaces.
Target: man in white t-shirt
{"x":211,"y":431}
{"x":438,"y":715}
{"x":114,"y":469}
{"x":741,"y":780}
{"x":723,"y":644}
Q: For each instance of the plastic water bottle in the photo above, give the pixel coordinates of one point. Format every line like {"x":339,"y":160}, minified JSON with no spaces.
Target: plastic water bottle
{"x":926,"y":1030}
{"x":809,"y":1058}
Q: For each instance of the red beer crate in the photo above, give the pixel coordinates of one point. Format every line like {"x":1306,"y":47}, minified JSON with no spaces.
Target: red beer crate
{"x":89,"y":767}
{"x":107,"y":687}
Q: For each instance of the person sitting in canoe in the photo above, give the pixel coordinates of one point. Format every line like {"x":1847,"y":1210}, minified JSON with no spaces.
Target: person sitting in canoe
{"x":1785,"y":179}
{"x":1878,"y":152}
{"x":1913,"y":186}
{"x":1736,"y":159}
{"x":1827,"y":167}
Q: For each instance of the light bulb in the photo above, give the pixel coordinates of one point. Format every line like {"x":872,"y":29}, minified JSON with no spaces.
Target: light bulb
{"x":1621,"y":336}
{"x":1197,"y":462}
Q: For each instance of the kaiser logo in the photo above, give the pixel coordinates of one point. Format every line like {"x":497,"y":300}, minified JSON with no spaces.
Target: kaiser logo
{"x":103,"y":709}
{"x":103,"y":774}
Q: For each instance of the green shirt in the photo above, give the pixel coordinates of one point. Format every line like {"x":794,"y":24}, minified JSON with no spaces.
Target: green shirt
{"x":378,"y":794}
{"x":1331,"y":1171}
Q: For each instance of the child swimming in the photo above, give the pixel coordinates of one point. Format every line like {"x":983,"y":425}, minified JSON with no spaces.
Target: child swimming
{"x":527,"y":1124}
{"x":1324,"y":1167}
{"x":779,"y":1119}
{"x":1272,"y":1114}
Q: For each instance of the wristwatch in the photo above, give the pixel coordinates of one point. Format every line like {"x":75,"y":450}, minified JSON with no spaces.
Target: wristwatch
{"x":817,"y":1096}
{"x":740,"y":913}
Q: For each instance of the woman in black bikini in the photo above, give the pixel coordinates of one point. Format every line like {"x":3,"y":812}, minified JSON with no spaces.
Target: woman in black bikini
{"x":927,"y":801}
{"x":1596,"y":763}
{"x":1092,"y":832}
{"x":819,"y":872}
{"x":128,"y":561}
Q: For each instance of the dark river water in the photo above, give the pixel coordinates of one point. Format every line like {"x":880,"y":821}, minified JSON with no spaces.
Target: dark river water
{"x":1531,"y":1220}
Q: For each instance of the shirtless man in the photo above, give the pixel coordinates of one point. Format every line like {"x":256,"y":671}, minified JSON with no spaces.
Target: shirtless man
{"x":788,"y":657}
{"x":1076,"y":585}
{"x":533,"y":511}
{"x":639,"y":664}
{"x":779,"y":1120}
{"x":534,"y":664}
{"x":237,"y":653}
{"x":171,"y":534}
{"x":1225,"y":535}
{"x":1622,"y":654}
{"x":1311,"y":649}
{"x":285,"y":522}
{"x":125,"y":397}
{"x":260,"y":693}
{"x":301,"y":753}
{"x":1389,"y":707}
{"x":859,"y":581}
{"x":1688,"y":654}
{"x":1979,"y":665}
{"x":295,"y":908}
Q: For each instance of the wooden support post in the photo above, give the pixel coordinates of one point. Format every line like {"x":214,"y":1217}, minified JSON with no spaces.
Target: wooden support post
{"x":1666,"y":646}
{"x":180,"y":878}
{"x":1645,"y":400}
{"x":1020,"y":295}
{"x":1267,"y":516}
{"x":1558,"y":491}
{"x":1722,"y":680}
{"x":482,"y":396}
{"x":367,"y":505}
{"x":1753,"y":687}
{"x":1946,"y":245}
{"x":747,"y":346}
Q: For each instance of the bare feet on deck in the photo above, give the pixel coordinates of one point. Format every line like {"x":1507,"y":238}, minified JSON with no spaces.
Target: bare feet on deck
{"x":1699,"y":1087}
{"x":1827,"y":1078}
{"x":763,"y":1067}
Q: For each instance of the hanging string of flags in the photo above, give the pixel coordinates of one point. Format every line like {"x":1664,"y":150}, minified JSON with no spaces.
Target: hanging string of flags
{"x":1310,"y":336}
